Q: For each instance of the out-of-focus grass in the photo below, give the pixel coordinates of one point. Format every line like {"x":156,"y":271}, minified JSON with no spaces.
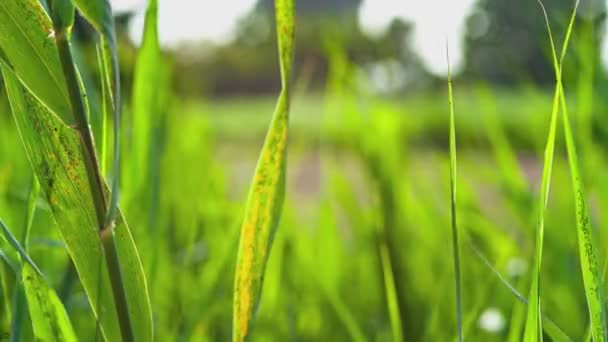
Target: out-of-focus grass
{"x":519,"y":113}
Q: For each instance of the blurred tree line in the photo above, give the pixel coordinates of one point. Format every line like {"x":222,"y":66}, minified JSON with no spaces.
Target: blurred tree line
{"x":506,"y":42}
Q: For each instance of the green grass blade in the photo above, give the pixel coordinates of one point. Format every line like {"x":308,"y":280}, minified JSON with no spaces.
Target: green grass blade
{"x":455,"y":244}
{"x":19,"y":301}
{"x":587,"y":249}
{"x":26,"y":45}
{"x":49,"y":319}
{"x":533,"y":323}
{"x":12,"y":240}
{"x":392,"y":299}
{"x":267,"y":191}
{"x":146,"y":99}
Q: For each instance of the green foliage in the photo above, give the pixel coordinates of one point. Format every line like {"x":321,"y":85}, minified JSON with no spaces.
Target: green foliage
{"x":65,"y":160}
{"x":357,"y":220}
{"x":27,"y":49}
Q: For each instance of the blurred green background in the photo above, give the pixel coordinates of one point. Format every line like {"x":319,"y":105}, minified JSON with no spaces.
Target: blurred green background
{"x":368,"y":167}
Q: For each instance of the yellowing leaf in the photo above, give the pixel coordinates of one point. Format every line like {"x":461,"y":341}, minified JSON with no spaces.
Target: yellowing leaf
{"x":267,"y":191}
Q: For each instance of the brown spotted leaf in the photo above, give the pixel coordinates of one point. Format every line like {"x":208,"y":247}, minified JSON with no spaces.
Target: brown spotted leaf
{"x":267,"y":190}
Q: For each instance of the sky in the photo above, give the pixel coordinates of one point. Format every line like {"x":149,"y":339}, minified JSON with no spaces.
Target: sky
{"x":195,"y":20}
{"x":435,"y":23}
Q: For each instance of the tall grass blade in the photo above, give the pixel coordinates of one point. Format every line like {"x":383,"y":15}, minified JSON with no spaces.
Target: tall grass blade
{"x":267,"y":191}
{"x":146,"y":99}
{"x":49,"y":319}
{"x":533,"y":323}
{"x":455,"y":244}
{"x":587,"y":249}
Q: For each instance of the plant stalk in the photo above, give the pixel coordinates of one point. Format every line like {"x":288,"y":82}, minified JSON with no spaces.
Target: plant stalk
{"x":96,"y":183}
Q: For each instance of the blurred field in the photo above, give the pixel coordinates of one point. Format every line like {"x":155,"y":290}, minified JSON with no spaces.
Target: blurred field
{"x":323,"y":279}
{"x":364,"y":248}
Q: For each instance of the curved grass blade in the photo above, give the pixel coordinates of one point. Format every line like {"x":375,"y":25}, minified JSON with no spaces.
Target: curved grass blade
{"x":27,"y":46}
{"x":533,"y":323}
{"x":587,"y":249}
{"x":267,"y":190}
{"x":56,"y":155}
{"x":455,"y":244}
{"x":49,"y":319}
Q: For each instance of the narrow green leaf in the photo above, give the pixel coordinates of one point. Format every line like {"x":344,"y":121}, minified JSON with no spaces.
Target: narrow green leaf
{"x":267,"y":191}
{"x":391,"y":292}
{"x":49,"y":319}
{"x":146,"y":99}
{"x":587,"y":249}
{"x":12,"y":240}
{"x":19,"y":313}
{"x":533,"y":323}
{"x":56,"y":155}
{"x":455,"y":244}
{"x":19,"y":301}
{"x":28,"y":47}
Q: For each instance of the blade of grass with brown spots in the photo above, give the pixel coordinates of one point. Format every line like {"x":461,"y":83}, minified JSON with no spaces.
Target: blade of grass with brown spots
{"x":267,"y":190}
{"x":587,"y":249}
